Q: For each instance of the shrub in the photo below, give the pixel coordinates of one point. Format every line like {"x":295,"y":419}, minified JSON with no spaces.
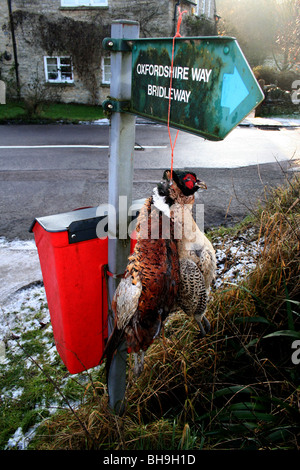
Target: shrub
{"x":283,"y":80}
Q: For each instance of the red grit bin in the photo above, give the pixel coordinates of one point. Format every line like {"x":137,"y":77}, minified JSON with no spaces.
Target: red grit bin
{"x":73,"y":260}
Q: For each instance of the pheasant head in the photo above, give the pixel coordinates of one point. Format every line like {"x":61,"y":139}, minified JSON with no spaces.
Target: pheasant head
{"x":178,"y":190}
{"x":186,"y":181}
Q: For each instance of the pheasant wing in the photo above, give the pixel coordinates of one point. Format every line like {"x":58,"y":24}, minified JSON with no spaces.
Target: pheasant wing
{"x":192,"y":292}
{"x":126,"y":300}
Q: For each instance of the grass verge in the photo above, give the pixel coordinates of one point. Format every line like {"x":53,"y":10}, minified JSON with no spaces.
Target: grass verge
{"x":45,"y":112}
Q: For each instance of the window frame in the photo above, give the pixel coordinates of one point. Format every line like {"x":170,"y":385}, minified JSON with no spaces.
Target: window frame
{"x":83,"y":3}
{"x":59,"y":79}
{"x":201,"y":7}
{"x":103,"y":67}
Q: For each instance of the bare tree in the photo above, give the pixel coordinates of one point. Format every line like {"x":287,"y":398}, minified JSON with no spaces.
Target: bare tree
{"x":288,"y":34}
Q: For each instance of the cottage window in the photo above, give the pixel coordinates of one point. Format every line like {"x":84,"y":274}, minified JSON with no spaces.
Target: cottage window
{"x":58,"y":69}
{"x":84,"y":3}
{"x":201,"y":7}
{"x":106,"y":72}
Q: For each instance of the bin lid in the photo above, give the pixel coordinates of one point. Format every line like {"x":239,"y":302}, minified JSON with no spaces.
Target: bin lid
{"x":61,"y":222}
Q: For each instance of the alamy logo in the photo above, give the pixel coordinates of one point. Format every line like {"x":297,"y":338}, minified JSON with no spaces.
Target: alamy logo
{"x":121,"y":224}
{"x":296,"y":354}
{"x":296,"y":93}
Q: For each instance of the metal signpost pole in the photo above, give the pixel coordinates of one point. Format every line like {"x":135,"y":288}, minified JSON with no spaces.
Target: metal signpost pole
{"x":122,"y":140}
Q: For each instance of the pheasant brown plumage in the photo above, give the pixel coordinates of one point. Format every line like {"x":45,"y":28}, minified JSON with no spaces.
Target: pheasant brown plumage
{"x":147,"y":293}
{"x":196,"y":254}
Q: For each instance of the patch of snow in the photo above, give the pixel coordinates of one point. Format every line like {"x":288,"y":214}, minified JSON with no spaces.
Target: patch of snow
{"x":19,"y":440}
{"x":236,"y":258}
{"x":19,"y":312}
{"x":97,"y":122}
{"x":17,"y":244}
{"x":19,"y":266}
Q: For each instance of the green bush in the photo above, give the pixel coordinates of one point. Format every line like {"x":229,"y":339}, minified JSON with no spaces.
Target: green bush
{"x":270,"y":75}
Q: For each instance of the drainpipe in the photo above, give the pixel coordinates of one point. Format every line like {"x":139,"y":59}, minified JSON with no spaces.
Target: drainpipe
{"x":12,"y":29}
{"x":175,"y":17}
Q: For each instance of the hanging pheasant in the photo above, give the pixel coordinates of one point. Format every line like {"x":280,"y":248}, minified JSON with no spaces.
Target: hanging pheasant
{"x":148,"y":291}
{"x":196,"y":254}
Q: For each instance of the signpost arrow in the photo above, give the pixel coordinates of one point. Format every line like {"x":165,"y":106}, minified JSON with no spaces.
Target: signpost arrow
{"x":213,"y":87}
{"x":234,"y":91}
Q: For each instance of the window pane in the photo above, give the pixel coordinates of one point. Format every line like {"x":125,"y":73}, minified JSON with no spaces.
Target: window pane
{"x":101,"y":3}
{"x":106,"y":70}
{"x":65,"y":61}
{"x":78,"y":3}
{"x":107,"y":75}
{"x":66,"y":72}
{"x":66,"y":77}
{"x":106,"y":62}
{"x":51,"y":60}
{"x":69,"y":3}
{"x":52,"y":69}
{"x":66,"y":69}
{"x":52,"y":75}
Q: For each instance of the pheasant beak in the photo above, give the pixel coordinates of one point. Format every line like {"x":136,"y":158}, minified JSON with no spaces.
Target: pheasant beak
{"x":201,"y":184}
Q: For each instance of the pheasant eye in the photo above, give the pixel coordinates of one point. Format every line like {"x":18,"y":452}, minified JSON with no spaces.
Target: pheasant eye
{"x":189,"y":181}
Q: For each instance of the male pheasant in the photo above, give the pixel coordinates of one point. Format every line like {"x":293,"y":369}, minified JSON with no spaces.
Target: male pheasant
{"x":196,"y":254}
{"x":146,"y":294}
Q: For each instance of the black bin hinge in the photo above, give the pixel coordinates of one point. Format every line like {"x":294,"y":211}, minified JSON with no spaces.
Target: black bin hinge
{"x":117,"y":45}
{"x":115,"y":106}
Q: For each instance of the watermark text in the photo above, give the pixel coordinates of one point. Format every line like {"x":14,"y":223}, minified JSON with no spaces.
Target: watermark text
{"x":121,"y":222}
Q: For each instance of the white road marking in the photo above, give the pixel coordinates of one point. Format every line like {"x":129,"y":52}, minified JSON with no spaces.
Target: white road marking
{"x":75,"y":146}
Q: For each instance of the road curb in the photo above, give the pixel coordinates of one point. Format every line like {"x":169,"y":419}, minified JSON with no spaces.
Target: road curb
{"x":271,"y":123}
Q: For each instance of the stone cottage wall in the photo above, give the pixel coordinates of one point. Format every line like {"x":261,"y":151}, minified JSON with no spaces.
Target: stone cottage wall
{"x":44,"y":28}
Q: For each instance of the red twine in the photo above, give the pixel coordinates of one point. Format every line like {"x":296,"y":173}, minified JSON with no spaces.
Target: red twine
{"x":177,"y":35}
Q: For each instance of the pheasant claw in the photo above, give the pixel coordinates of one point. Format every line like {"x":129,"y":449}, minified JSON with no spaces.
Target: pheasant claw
{"x":138,"y":363}
{"x":203,"y":331}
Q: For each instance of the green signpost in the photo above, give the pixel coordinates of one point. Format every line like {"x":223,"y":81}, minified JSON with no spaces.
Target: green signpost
{"x":213,"y":88}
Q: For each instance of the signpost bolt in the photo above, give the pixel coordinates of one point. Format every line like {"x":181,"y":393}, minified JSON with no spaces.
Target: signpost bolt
{"x":226,"y":50}
{"x":117,"y":44}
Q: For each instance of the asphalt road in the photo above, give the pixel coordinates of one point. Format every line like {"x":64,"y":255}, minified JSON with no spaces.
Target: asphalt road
{"x":48,"y":169}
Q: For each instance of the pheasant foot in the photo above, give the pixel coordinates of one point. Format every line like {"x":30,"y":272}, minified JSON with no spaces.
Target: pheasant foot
{"x":203,"y":329}
{"x":138,"y":363}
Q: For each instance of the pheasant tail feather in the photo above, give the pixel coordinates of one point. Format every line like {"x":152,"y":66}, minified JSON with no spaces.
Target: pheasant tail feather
{"x":112,"y":345}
